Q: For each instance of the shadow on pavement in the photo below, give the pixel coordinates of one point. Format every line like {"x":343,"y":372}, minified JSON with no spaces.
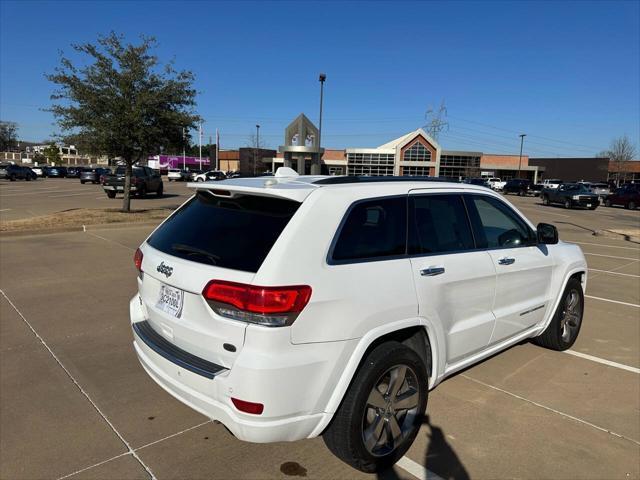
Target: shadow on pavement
{"x":441,"y":460}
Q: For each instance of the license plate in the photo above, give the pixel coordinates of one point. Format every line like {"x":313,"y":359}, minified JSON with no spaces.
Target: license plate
{"x":588,"y":204}
{"x":170,"y":300}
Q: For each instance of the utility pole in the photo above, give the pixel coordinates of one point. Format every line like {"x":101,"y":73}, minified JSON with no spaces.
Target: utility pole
{"x":184,"y":153}
{"x":217,"y":149}
{"x":522,"y":135}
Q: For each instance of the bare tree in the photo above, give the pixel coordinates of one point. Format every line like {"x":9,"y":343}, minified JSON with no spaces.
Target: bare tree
{"x":620,"y":151}
{"x":8,"y":135}
{"x":436,"y":121}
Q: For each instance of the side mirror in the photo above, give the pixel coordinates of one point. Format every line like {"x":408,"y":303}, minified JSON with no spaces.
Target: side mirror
{"x":547,"y":234}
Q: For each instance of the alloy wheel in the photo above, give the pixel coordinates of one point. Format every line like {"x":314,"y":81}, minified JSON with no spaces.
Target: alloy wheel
{"x":392,"y":406}
{"x":571,"y":316}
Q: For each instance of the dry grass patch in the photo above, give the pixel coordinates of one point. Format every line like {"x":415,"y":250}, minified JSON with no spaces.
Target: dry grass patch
{"x":84,"y":216}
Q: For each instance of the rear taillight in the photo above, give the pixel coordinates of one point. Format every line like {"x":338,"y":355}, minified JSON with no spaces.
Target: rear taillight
{"x":270,"y":306}
{"x":137,"y":260}
{"x":248,"y":407}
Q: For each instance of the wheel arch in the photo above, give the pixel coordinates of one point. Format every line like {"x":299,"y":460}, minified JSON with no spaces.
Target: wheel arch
{"x":418,"y":334}
{"x":578,"y":272}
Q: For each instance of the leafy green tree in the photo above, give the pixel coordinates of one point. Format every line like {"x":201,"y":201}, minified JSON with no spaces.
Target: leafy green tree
{"x":8,"y":135}
{"x":52,"y":154}
{"x":122,"y":102}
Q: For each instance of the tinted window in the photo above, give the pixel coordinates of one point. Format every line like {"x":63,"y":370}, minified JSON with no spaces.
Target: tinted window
{"x":438,"y":223}
{"x":495,"y":225}
{"x":373,"y":229}
{"x":231,"y":233}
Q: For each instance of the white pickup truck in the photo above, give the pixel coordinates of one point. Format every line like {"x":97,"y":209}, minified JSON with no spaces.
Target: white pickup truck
{"x":551,"y":183}
{"x":496,"y":183}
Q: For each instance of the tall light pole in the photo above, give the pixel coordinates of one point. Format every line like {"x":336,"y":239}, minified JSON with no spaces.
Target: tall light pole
{"x":255,"y":160}
{"x":184,"y":152}
{"x":522,"y":135}
{"x":322,"y":78}
{"x":200,"y":159}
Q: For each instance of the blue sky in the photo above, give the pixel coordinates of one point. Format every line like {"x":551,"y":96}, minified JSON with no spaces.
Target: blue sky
{"x":565,"y":73}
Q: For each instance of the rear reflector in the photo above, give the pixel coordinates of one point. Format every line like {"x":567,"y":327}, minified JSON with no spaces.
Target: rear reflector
{"x":137,"y":259}
{"x":248,"y":407}
{"x":271,"y":306}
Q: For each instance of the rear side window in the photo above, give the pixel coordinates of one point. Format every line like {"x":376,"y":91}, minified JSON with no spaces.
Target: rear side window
{"x":233,"y":233}
{"x":373,"y":229}
{"x":438,"y":223}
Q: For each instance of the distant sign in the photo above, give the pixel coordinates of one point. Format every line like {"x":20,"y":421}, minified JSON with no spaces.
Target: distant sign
{"x":177,"y":161}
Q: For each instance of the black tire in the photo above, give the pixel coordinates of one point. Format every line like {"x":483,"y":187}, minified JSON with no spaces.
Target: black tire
{"x":592,"y":208}
{"x":12,"y":178}
{"x":111,"y":194}
{"x":631,"y":205}
{"x":607,"y":203}
{"x":567,"y":204}
{"x":82,"y":182}
{"x":142,"y":192}
{"x":552,"y":337}
{"x":200,"y":179}
{"x":160,"y":190}
{"x":545,"y":200}
{"x":345,"y":434}
{"x":27,"y":178}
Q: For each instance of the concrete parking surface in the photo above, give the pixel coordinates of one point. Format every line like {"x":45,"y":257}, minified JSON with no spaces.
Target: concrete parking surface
{"x":75,"y":403}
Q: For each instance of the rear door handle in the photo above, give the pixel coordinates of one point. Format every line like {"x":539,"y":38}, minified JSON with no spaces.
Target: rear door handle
{"x":506,"y":261}
{"x":432,"y":271}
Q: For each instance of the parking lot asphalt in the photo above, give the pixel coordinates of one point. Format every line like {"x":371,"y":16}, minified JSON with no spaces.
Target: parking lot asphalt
{"x":75,"y":403}
{"x":22,"y":199}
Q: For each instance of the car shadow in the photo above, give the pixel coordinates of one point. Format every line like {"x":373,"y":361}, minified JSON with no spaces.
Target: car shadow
{"x":441,"y":460}
{"x":153,"y":196}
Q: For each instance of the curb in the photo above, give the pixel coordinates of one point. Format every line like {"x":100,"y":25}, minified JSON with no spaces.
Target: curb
{"x":77,"y":228}
{"x":616,"y":235}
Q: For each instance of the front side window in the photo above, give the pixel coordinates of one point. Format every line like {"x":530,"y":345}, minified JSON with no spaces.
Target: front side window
{"x":438,"y":223}
{"x":496,"y":225}
{"x":373,"y":229}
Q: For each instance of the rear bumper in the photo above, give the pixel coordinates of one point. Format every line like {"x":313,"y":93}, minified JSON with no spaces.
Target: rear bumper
{"x":585,"y":203}
{"x":293,"y":385}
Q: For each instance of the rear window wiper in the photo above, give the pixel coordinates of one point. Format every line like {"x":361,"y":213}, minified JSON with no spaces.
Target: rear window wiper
{"x":182,"y":248}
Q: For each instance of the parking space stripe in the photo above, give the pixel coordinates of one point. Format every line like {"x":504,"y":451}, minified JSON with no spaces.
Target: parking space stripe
{"x":637,"y":249}
{"x":610,"y":256}
{"x":603,"y":361}
{"x":79,"y":387}
{"x":553,"y":410}
{"x":612,"y":301}
{"x":611,"y":272}
{"x":417,"y":470}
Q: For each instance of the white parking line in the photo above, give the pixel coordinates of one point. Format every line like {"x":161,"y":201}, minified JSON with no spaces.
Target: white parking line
{"x":4,"y":209}
{"x":71,"y":195}
{"x":608,"y":246}
{"x":612,"y":301}
{"x":613,"y":273}
{"x":78,"y":386}
{"x":417,"y":470}
{"x":610,"y":256}
{"x":603,"y":361}
{"x":566,"y":415}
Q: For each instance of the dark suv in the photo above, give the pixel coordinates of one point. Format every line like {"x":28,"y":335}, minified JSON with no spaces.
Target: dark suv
{"x":15,"y":172}
{"x":627,"y":196}
{"x":519,"y":186}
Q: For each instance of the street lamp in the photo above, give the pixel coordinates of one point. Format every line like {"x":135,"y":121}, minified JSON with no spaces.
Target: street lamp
{"x":322,"y":79}
{"x":255,"y":160}
{"x":522,"y":135}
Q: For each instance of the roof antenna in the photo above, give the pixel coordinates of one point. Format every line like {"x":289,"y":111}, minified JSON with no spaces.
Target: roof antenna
{"x":286,"y":172}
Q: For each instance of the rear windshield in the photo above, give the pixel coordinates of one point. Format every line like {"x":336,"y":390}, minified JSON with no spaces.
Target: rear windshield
{"x":233,"y":233}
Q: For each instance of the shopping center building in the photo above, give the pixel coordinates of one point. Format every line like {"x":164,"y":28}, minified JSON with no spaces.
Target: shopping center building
{"x":414,"y":153}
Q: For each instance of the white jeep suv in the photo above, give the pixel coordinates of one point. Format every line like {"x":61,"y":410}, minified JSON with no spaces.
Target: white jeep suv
{"x":290,"y":307}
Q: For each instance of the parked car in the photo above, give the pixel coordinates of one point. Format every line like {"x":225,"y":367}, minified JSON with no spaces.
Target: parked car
{"x":92,"y":175}
{"x":477,"y":181}
{"x":104,"y":174}
{"x":14,"y":172}
{"x":30,"y":174}
{"x":551,"y":183}
{"x":570,"y":195}
{"x":628,"y":196}
{"x":535,"y":189}
{"x":519,"y":186}
{"x":210,"y":175}
{"x":600,"y":189}
{"x":57,"y":172}
{"x":74,"y":172}
{"x":38,"y":171}
{"x":347,"y":307}
{"x":496,"y":183}
{"x":178,"y":175}
{"x":143,"y":180}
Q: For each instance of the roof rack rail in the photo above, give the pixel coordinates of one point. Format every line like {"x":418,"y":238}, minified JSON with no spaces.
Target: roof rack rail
{"x":342,"y":179}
